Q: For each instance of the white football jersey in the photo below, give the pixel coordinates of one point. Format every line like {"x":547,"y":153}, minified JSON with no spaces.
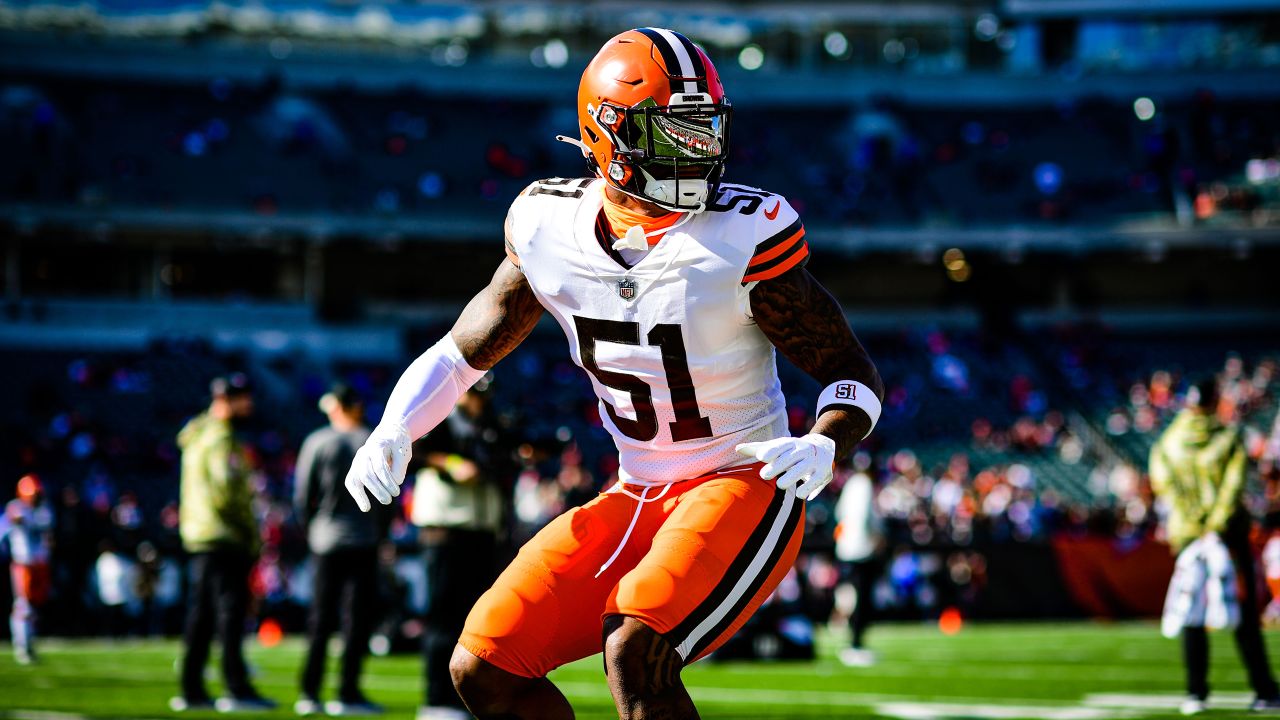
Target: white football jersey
{"x":682,"y":372}
{"x":27,"y":528}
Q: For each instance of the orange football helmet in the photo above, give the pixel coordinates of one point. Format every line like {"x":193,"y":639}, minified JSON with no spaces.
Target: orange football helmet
{"x":654,"y":119}
{"x":29,"y":488}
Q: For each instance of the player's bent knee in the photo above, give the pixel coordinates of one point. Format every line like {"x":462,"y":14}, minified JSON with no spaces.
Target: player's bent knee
{"x":484,"y":687}
{"x":638,"y":654}
{"x":467,"y":671}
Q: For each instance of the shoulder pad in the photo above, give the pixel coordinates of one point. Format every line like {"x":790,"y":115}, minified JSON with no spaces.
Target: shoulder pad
{"x":778,"y":234}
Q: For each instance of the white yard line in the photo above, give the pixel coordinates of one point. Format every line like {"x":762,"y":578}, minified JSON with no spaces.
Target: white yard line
{"x":828,"y":698}
{"x":944,"y":711}
{"x":1147,"y":701}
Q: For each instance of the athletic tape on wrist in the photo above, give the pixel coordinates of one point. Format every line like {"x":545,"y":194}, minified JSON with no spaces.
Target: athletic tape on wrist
{"x":854,"y":393}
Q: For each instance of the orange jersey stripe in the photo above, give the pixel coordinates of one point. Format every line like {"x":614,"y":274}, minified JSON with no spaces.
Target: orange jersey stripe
{"x":800,"y":255}
{"x":777,"y":249}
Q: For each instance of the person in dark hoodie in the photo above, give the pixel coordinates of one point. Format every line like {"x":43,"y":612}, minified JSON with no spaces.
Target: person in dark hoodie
{"x":344,"y":547}
{"x":220,"y":534}
{"x":457,"y":501}
{"x":1198,"y":466}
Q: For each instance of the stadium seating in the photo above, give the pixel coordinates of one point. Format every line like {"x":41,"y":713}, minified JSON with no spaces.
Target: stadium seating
{"x":267,"y":149}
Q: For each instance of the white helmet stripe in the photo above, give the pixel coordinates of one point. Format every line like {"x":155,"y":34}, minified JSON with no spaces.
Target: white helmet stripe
{"x":682,"y":57}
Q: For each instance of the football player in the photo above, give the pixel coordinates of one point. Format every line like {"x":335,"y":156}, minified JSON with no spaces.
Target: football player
{"x":30,"y":531}
{"x":673,"y":290}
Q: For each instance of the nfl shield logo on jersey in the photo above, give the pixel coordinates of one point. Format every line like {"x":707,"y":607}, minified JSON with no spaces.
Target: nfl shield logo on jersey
{"x":626,"y":289}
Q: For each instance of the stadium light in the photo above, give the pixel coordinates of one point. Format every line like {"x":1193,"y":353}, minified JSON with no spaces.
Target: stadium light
{"x":953,"y":259}
{"x":987,"y":27}
{"x":1048,"y":177}
{"x":836,"y":44}
{"x":958,"y":269}
{"x":556,"y":53}
{"x":1144,"y":108}
{"x":751,"y":57}
{"x":895,"y":51}
{"x":455,"y":53}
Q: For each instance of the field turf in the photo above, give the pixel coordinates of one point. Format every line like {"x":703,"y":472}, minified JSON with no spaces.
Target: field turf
{"x":1046,"y":671}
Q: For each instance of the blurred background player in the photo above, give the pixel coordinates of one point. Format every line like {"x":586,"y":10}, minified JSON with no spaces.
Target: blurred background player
{"x":1198,"y":465}
{"x":30,"y":527}
{"x":457,"y":503}
{"x":344,"y":547}
{"x":859,"y":548}
{"x":220,"y":534}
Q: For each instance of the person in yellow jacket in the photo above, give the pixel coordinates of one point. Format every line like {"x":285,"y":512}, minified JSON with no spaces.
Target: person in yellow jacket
{"x":220,"y":534}
{"x":1198,"y":466}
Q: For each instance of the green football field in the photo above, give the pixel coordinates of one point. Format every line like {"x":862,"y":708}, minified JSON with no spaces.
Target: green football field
{"x":1053,"y":671}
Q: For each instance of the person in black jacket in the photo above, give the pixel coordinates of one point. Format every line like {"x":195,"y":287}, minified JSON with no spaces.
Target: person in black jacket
{"x":344,"y":545}
{"x":458,"y":504}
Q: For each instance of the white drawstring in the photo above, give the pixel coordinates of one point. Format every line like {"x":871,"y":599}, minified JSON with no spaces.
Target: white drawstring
{"x":641,"y":500}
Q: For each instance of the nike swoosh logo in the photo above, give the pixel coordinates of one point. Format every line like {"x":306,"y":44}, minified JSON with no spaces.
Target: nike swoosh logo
{"x":771,"y":214}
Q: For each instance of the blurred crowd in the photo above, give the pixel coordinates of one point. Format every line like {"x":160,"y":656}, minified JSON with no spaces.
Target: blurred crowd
{"x":268,"y":149}
{"x":1018,"y":463}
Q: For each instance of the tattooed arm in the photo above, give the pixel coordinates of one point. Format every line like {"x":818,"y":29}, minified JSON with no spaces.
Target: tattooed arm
{"x":803,"y":321}
{"x":497,"y":319}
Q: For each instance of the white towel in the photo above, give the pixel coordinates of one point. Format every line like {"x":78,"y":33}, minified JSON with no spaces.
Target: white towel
{"x":1202,"y":592}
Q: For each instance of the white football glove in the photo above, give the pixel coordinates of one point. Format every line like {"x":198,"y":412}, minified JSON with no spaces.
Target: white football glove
{"x":379,"y":465}
{"x":806,"y":460}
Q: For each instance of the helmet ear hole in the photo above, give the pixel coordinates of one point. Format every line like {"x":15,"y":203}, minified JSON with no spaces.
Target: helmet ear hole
{"x":591,"y":134}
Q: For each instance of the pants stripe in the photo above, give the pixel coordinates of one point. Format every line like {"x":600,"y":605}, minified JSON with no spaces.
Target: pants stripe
{"x":739,"y":566}
{"x":739,"y":584}
{"x":770,"y":565}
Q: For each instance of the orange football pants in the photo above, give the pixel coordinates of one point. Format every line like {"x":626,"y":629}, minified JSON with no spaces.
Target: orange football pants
{"x":30,"y":582}
{"x":702,"y":555}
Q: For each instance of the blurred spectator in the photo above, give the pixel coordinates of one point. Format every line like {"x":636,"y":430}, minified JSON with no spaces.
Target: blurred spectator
{"x":859,"y":548}
{"x":1198,"y":466}
{"x":75,"y":543}
{"x":457,"y":502}
{"x":158,"y":585}
{"x":344,"y":553}
{"x":221,"y":534}
{"x":113,"y":575}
